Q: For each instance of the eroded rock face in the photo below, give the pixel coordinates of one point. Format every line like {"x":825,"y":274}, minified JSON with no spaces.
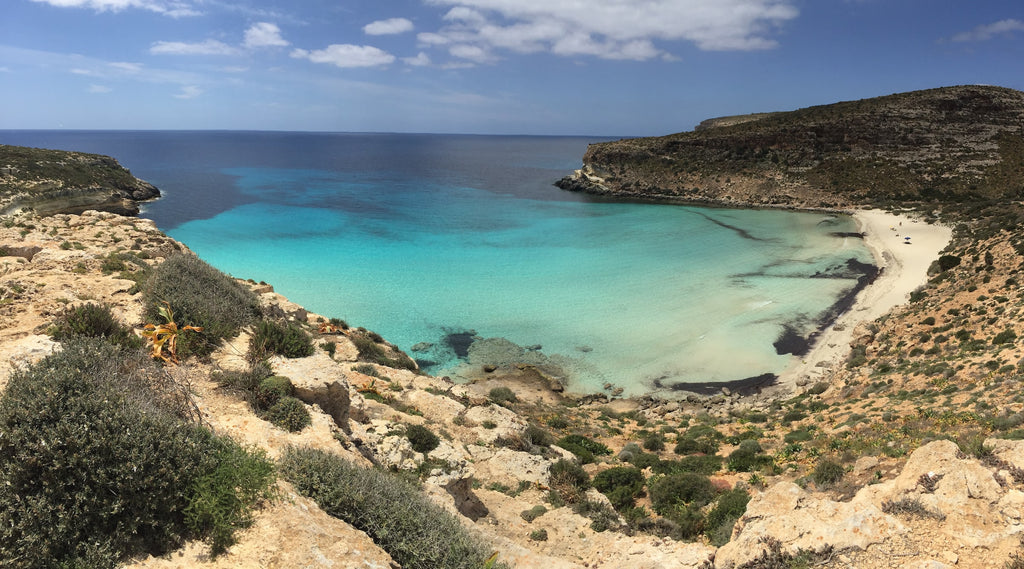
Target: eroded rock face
{"x":965,"y":507}
{"x":321,"y":381}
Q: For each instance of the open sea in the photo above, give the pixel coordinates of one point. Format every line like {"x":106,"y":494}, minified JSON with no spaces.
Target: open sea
{"x":433,"y":240}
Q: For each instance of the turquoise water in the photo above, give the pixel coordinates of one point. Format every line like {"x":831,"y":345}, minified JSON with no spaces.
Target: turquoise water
{"x":420,"y":237}
{"x":624,"y":293}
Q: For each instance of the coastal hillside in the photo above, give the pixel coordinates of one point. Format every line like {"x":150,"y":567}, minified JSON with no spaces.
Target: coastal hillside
{"x":303,"y":440}
{"x":951,"y":144}
{"x":56,"y":181}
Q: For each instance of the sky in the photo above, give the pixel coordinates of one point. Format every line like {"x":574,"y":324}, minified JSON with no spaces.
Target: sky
{"x":546,"y":67}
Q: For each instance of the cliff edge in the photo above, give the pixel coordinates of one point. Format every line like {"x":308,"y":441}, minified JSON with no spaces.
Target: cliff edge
{"x":48,"y":182}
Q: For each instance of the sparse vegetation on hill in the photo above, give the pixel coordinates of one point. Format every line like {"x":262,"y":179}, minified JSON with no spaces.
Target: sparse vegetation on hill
{"x":947,"y":145}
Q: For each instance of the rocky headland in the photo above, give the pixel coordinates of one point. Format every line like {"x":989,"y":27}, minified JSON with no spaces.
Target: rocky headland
{"x":53,"y":181}
{"x":896,"y":444}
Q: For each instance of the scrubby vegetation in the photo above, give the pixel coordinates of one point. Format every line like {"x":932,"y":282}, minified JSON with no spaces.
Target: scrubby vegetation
{"x":201,"y":296}
{"x":288,"y":340}
{"x":391,"y":510}
{"x":98,"y":431}
{"x":93,"y":321}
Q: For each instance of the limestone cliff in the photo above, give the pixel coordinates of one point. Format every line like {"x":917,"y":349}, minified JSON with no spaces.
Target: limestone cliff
{"x":55,"y":181}
{"x":951,"y":144}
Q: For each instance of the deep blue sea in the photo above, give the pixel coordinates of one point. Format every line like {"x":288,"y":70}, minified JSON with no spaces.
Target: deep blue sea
{"x":429,"y":238}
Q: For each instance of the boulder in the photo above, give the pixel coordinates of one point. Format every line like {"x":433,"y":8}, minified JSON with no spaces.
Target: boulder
{"x":319,"y":380}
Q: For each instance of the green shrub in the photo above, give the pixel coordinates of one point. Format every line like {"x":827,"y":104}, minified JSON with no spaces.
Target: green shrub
{"x":1007,"y":336}
{"x":705,"y":464}
{"x":533,"y":513}
{"x":720,"y":520}
{"x":644,"y":460}
{"x":330,"y":347}
{"x":537,"y":436}
{"x":621,"y":484}
{"x":654,"y":442}
{"x":827,"y":473}
{"x":798,"y":436}
{"x":568,"y":480}
{"x":222,"y":499}
{"x":199,"y":295}
{"x":947,"y":262}
{"x":690,"y":445}
{"x":289,"y":413}
{"x":669,"y":492}
{"x":539,"y":535}
{"x":502,"y":396}
{"x":422,"y":439}
{"x":243,"y":382}
{"x":271,"y":390}
{"x":602,"y":518}
{"x":747,"y":460}
{"x":416,"y":532}
{"x":97,"y":462}
{"x":288,"y":340}
{"x":93,"y":321}
{"x":375,"y":352}
{"x":585,"y":449}
{"x":366,"y":369}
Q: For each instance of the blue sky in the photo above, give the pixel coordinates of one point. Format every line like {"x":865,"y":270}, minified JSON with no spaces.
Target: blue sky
{"x":592,"y":67}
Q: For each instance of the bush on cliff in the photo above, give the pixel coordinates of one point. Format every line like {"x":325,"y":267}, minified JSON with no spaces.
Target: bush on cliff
{"x":97,"y":463}
{"x":621,"y":484}
{"x":585,"y":449}
{"x":288,"y":340}
{"x":93,"y":321}
{"x":199,"y":295}
{"x":415,"y":531}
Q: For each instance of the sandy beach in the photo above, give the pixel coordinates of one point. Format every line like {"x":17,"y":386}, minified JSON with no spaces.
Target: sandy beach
{"x":904,"y":265}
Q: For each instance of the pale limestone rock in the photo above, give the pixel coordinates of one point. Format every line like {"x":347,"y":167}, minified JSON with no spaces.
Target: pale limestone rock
{"x":292,"y":532}
{"x":1010,"y":451}
{"x":508,"y":423}
{"x":508,"y":466}
{"x":436,"y":408}
{"x":800,"y":520}
{"x":20,"y":353}
{"x":278,"y":305}
{"x":318,"y":379}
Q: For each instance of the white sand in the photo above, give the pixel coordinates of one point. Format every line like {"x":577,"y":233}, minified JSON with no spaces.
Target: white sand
{"x":904,"y":269}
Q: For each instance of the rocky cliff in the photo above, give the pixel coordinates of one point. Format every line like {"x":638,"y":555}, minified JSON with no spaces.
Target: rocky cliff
{"x":951,"y":144}
{"x":55,"y":181}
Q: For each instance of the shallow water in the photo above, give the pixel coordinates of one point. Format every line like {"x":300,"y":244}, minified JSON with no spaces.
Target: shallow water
{"x":421,"y":237}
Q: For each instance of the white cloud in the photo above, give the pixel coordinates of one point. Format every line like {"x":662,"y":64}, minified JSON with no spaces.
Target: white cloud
{"x":610,"y":29}
{"x":388,"y":27}
{"x":421,"y":60}
{"x":173,"y":8}
{"x":208,"y":47}
{"x":347,"y":55}
{"x":264,"y":34}
{"x":471,"y":52}
{"x":987,"y":32}
{"x":99,"y":89}
{"x":189,"y":92}
{"x":126,"y":66}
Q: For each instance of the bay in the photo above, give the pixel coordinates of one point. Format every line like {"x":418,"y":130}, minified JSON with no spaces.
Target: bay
{"x":426,"y":238}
